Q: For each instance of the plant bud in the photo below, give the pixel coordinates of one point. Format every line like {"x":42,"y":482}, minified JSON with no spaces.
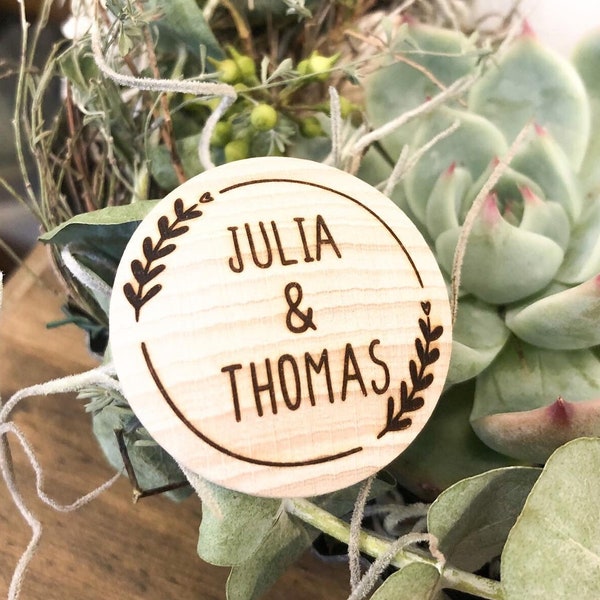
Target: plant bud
{"x":236,"y":150}
{"x":229,"y":71}
{"x":263,"y":117}
{"x":222,"y":134}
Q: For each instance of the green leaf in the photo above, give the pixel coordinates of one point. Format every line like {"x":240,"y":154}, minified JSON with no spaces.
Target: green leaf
{"x":586,"y":59}
{"x":530,"y":82}
{"x":161,"y":163}
{"x":458,"y":148}
{"x":416,"y":581}
{"x":101,"y":226}
{"x":434,"y":55}
{"x":445,"y":201}
{"x":546,"y":218}
{"x":152,"y":465}
{"x":282,"y":546}
{"x":582,"y":258}
{"x":546,"y":163}
{"x":532,"y":400}
{"x":447,"y":450}
{"x":478,"y":335}
{"x":553,"y":551}
{"x":234,"y":536}
{"x":472,"y":519}
{"x":503,"y":263}
{"x":342,"y":502}
{"x":566,"y":320}
{"x":183,"y":21}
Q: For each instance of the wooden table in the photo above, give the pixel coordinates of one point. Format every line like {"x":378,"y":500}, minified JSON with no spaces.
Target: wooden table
{"x":111,"y":548}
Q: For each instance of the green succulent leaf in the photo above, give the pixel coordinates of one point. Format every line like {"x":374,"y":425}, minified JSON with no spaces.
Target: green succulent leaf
{"x":282,"y":546}
{"x":446,"y":450}
{"x":444,"y":204}
{"x":416,"y":581}
{"x":232,"y":537}
{"x":530,"y":82}
{"x":472,"y":518}
{"x":566,"y":320}
{"x":545,"y":218}
{"x":582,"y":258}
{"x":508,"y":190}
{"x":502,"y":263}
{"x":478,"y":335}
{"x":546,"y":163}
{"x":457,"y":148}
{"x":553,"y":551}
{"x":434,"y":56}
{"x":586,"y":59}
{"x":532,"y":400}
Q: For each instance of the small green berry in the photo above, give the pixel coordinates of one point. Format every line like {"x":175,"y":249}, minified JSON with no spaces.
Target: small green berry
{"x":263,"y":117}
{"x":229,"y":70}
{"x":302,"y":67}
{"x":221,"y":134}
{"x":319,"y":65}
{"x":236,"y":150}
{"x":346,"y":107}
{"x":247,"y":67}
{"x":310,"y":127}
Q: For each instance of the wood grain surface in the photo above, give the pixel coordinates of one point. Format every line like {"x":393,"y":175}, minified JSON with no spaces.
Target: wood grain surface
{"x":110,"y":548}
{"x":280,"y":327}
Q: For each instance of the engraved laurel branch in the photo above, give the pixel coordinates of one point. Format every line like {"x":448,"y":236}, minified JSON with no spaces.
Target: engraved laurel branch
{"x":419,"y":379}
{"x":145,"y":272}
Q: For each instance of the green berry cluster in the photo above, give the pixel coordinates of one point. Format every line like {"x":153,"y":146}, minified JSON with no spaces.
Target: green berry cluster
{"x":271,"y":112}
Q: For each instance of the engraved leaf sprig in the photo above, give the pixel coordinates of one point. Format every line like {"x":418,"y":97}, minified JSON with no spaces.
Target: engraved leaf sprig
{"x":147,"y":271}
{"x":410,"y":400}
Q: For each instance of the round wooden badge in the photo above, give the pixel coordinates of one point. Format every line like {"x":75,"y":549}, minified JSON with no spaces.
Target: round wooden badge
{"x":280,"y":327}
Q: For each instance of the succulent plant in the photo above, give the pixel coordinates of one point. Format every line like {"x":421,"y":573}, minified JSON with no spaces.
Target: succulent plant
{"x":527,"y":329}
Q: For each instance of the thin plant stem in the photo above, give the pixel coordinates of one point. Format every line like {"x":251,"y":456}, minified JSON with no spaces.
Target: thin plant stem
{"x":166,"y":128}
{"x":375,"y":546}
{"x":461,"y":246}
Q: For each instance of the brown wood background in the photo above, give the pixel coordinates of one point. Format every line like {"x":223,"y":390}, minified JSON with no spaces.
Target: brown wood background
{"x":110,"y":548}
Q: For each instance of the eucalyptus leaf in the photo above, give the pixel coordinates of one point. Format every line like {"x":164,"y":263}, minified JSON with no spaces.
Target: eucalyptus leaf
{"x":235,"y":535}
{"x":161,"y":162}
{"x":107,"y":227}
{"x":472,"y":518}
{"x":553,"y":551}
{"x":416,"y":581}
{"x":183,"y":21}
{"x":152,"y":465}
{"x":281,"y":547}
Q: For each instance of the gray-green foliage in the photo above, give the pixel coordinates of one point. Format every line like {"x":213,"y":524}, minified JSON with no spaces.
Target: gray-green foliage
{"x":553,"y":550}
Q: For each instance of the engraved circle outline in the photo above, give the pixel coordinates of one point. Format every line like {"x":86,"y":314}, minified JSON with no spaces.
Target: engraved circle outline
{"x":177,"y":411}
